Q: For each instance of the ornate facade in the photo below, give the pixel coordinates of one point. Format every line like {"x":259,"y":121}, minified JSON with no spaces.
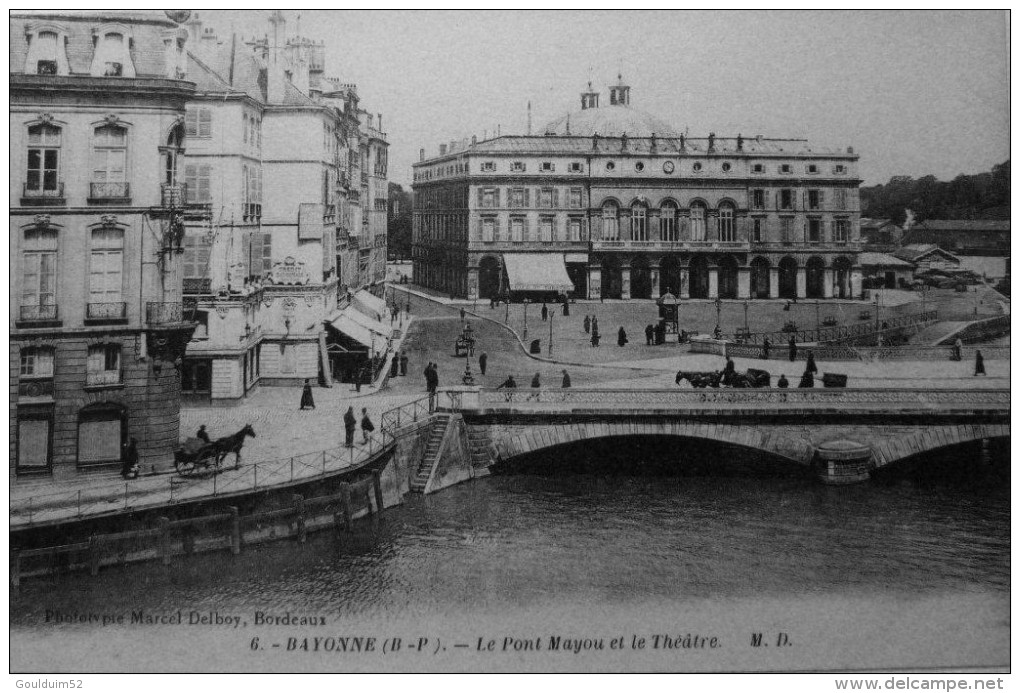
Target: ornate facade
{"x":632,"y":208}
{"x":97,"y":105}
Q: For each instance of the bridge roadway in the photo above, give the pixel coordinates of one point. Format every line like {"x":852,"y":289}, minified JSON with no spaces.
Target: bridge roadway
{"x":869,"y":428}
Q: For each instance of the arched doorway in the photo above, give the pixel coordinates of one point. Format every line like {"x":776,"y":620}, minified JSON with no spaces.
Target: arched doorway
{"x":841,"y":281}
{"x":699,"y":276}
{"x":612,"y":281}
{"x":760,"y":278}
{"x":787,"y":278}
{"x":815,"y":277}
{"x":488,"y":278}
{"x":640,"y":278}
{"x":669,"y":275}
{"x":727,"y":277}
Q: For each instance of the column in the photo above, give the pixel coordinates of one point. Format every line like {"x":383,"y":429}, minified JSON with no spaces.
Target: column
{"x":743,"y":282}
{"x":713,"y":282}
{"x":594,"y":282}
{"x":653,"y":225}
{"x":801,"y":282}
{"x":711,"y":229}
{"x":827,"y":279}
{"x":653,"y":273}
{"x":685,"y":283}
{"x":625,"y":282}
{"x":472,"y":283}
{"x":773,"y":282}
{"x":624,"y":220}
{"x":855,"y":283}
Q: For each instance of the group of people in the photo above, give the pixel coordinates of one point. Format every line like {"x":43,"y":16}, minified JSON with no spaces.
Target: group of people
{"x":591,"y":327}
{"x":536,"y":382}
{"x":351,"y":425}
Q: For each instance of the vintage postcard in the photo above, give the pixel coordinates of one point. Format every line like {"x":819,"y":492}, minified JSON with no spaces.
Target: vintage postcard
{"x":509,"y":341}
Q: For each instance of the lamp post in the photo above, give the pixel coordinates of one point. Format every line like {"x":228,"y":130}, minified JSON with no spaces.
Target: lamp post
{"x":818,"y":321}
{"x":746,"y":329}
{"x":718,"y":311}
{"x":552,"y":316}
{"x":525,"y":318}
{"x":878,"y":334}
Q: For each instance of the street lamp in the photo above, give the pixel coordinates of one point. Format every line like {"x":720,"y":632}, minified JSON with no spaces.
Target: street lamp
{"x":525,"y":318}
{"x":746,"y":328}
{"x":818,"y":320}
{"x":552,"y":316}
{"x":878,"y":334}
{"x":718,"y":311}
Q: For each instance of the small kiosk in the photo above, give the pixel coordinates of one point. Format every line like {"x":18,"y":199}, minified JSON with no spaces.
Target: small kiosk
{"x":669,"y":313}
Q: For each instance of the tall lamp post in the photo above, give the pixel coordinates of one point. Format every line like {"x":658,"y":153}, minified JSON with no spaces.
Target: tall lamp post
{"x":525,"y":318}
{"x":818,"y":321}
{"x":718,"y":312}
{"x":746,"y":328}
{"x":878,"y":333}
{"x":552,"y":316}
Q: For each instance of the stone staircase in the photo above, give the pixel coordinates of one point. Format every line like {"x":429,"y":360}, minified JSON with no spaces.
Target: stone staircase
{"x":433,"y":450}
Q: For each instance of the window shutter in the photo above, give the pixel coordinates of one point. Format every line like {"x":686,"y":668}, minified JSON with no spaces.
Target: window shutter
{"x":821,"y":199}
{"x":527,"y":197}
{"x":497,"y":197}
{"x":481,"y":197}
{"x":556,"y":197}
{"x":525,"y":231}
{"x":495,"y":228}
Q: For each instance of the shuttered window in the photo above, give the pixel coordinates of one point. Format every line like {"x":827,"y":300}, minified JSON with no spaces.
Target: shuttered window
{"x":33,"y":444}
{"x":99,"y":439}
{"x":197,"y":177}
{"x":198,"y":122}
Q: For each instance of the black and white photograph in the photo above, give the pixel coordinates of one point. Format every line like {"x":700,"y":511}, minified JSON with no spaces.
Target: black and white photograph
{"x":510,"y":341}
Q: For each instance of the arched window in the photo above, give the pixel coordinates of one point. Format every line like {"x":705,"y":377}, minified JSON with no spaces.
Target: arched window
{"x":39,"y":275}
{"x":638,"y":222}
{"x":697,"y":221}
{"x":727,"y":230}
{"x":43,"y":161}
{"x":667,"y":221}
{"x":109,"y":163}
{"x":610,"y":221}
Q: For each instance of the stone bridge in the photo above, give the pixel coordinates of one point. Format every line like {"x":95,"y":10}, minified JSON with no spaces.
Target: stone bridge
{"x":843,"y":433}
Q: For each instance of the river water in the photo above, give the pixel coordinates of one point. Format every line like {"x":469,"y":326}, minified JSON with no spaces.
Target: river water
{"x":910,"y":570}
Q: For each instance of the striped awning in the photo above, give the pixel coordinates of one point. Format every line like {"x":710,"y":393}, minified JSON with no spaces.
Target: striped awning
{"x":537,"y":272}
{"x":351,"y":329}
{"x":370,"y":305}
{"x":378,"y":328}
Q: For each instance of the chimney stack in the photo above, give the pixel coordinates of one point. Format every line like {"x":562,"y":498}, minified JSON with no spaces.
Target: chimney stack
{"x":474,"y":140}
{"x":421,"y":154}
{"x":442,"y":150}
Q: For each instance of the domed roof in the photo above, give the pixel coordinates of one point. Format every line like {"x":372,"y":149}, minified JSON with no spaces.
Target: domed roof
{"x":610,"y":121}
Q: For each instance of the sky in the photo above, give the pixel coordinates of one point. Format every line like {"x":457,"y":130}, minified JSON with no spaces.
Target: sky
{"x":914,"y":92}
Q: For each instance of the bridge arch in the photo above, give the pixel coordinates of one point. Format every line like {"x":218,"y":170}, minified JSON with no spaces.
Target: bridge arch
{"x":514,"y":442}
{"x":894,"y":449}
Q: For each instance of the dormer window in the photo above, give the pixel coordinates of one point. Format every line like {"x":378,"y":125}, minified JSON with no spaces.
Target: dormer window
{"x":46,"y":50}
{"x":785,"y":168}
{"x":548,"y":167}
{"x":758,"y":168}
{"x":812,"y":168}
{"x":488,"y":166}
{"x":112,"y":57}
{"x":575,"y":167}
{"x":517,"y":167}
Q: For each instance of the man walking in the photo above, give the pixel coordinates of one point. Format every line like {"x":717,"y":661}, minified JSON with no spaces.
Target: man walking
{"x":649,"y":331}
{"x":350,"y":424}
{"x":366,"y":425}
{"x":587,"y":325}
{"x":793,"y":348}
{"x":403,"y":363}
{"x":483,"y":361}
{"x":566,"y":379}
{"x":545,"y":312}
{"x":765,"y":346}
{"x":979,"y":363}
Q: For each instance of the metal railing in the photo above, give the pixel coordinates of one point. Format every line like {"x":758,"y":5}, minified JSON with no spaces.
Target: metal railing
{"x":109,"y":191}
{"x":781,"y":353}
{"x":173,"y":194}
{"x":103,"y":377}
{"x":197,"y":285}
{"x":842,"y":332}
{"x":162,"y":313}
{"x":406,"y":414}
{"x":37,"y":313}
{"x":57,"y":192}
{"x":110,"y":310}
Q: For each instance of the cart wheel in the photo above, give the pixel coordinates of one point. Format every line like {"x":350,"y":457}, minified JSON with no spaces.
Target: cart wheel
{"x":186,"y":468}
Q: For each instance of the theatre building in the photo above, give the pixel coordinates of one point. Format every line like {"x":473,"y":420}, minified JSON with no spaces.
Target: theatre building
{"x":610,"y":202}
{"x":97,"y":105}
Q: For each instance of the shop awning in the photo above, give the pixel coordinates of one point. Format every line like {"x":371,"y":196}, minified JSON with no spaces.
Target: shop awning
{"x":350,"y":328}
{"x":537,"y":272}
{"x":382,"y":330}
{"x":370,"y":305}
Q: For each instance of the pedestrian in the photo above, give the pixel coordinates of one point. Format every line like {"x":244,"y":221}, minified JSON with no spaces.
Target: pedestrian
{"x":508,"y":384}
{"x":765,"y":346}
{"x":566,"y":379}
{"x":359,"y":376}
{"x":483,"y":360}
{"x":979,"y":363}
{"x":566,"y":307}
{"x":462,"y":314}
{"x":595,"y":339}
{"x":717,"y":332}
{"x":535,"y":382}
{"x":350,"y":425}
{"x":306,"y":396}
{"x":807,"y":380}
{"x":594,"y":324}
{"x":129,"y":459}
{"x":395,"y":366}
{"x":621,"y":337}
{"x":203,"y":435}
{"x":366,"y":425}
{"x":782,"y":383}
{"x":587,"y":325}
{"x":958,"y":349}
{"x":811,"y":367}
{"x":545,"y":312}
{"x":428,"y":377}
{"x":403,"y":363}
{"x":649,"y":332}
{"x":660,"y":333}
{"x":793,"y":348}
{"x":492,"y":302}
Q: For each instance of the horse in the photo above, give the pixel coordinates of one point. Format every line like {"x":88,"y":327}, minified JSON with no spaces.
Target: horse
{"x":700,"y":379}
{"x":232,"y":444}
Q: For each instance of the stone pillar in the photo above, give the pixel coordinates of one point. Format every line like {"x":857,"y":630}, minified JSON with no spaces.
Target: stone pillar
{"x":855,"y":283}
{"x":713,"y":282}
{"x":594,"y":282}
{"x":653,"y":272}
{"x":685,"y":283}
{"x":711,"y":229}
{"x":653,"y":225}
{"x":801,"y":282}
{"x":773,"y":282}
{"x":827,"y":279}
{"x":743,"y":282}
{"x":625,"y":282}
{"x":843,"y":462}
{"x":472,"y":283}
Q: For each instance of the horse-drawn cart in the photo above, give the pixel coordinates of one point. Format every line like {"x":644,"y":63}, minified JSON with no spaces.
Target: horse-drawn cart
{"x":196,"y":456}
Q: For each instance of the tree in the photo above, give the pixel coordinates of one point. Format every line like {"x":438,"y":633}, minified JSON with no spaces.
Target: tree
{"x":982,"y":195}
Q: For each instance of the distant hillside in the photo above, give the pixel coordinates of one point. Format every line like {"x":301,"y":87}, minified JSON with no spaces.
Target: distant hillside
{"x":981,"y":196}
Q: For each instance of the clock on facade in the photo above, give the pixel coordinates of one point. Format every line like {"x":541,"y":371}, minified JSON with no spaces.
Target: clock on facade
{"x":667,"y":167}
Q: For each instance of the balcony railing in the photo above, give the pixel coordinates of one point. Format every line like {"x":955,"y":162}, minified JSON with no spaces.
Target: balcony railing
{"x":364,"y":178}
{"x":112,"y":311}
{"x":109,"y":191}
{"x":252,"y":211}
{"x":671,"y":245}
{"x":173,"y":194}
{"x":38,"y":313}
{"x":163,"y":313}
{"x":36,"y":388}
{"x":329,"y":214}
{"x":197,"y":285}
{"x":43,"y":196}
{"x":102,"y":378}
